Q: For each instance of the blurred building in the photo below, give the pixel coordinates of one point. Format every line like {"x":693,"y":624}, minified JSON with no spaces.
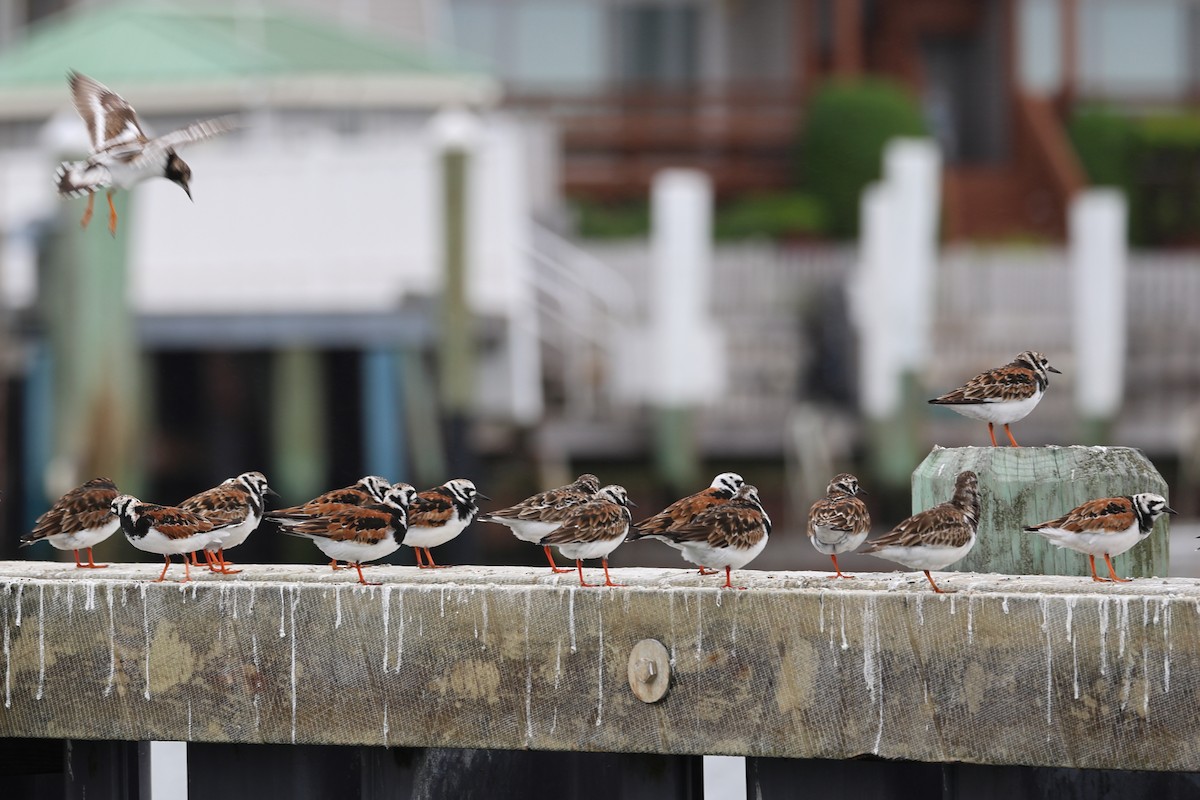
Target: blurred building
{"x":642,"y":84}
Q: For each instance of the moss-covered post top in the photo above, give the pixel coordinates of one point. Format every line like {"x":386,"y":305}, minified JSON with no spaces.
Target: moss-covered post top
{"x":1022,"y":486}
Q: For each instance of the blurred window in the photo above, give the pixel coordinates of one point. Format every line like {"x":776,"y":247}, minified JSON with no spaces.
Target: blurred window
{"x":1039,"y":44}
{"x":534,"y":44}
{"x":657,"y":44}
{"x":1132,"y":47}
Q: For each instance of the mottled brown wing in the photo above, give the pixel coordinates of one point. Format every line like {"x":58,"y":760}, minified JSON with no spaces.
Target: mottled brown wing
{"x":431,"y":508}
{"x":1002,"y":383}
{"x":946,"y":525}
{"x":593,"y":521}
{"x":173,"y":522}
{"x":547,"y":506}
{"x":347,"y":496}
{"x":221,"y":505}
{"x":82,"y":508}
{"x":1108,"y":514}
{"x":346,"y":523}
{"x":841,"y":513}
{"x":733,"y":524}
{"x":680,"y":512}
{"x":111,"y":122}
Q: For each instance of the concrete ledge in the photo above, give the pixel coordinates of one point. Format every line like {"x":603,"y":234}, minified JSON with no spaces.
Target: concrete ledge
{"x":1044,"y":671}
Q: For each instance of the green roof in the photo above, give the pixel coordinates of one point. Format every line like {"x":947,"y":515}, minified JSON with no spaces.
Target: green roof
{"x":138,"y":44}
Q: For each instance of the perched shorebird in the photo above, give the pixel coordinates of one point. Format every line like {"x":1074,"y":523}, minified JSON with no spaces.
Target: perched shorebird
{"x":122,"y":154}
{"x":1105,"y":527}
{"x":439,"y":514}
{"x":839,"y":522}
{"x":534,"y":517}
{"x":79,"y":520}
{"x":355,"y":534}
{"x":683,"y":511}
{"x":936,"y":537}
{"x":1002,"y":395}
{"x":236,"y":507}
{"x":166,"y":530}
{"x":367,"y":490}
{"x":728,"y":535}
{"x":593,"y":530}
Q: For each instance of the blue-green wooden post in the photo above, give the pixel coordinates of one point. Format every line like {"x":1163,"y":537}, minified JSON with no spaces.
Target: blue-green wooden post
{"x":383,"y":414}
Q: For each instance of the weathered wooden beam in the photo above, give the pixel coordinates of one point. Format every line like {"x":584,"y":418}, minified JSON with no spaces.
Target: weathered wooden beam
{"x":1044,"y":671}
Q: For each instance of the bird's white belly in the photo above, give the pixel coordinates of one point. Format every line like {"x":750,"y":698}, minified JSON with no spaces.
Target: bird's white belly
{"x":418,"y":536}
{"x":233,"y":535}
{"x":586,"y":550}
{"x":1094,"y":544}
{"x":831,"y":541}
{"x":701,"y":554}
{"x":155,"y":542}
{"x":357,"y":551}
{"x":925,"y":556}
{"x":79,"y":540}
{"x":1000,"y":413}
{"x":527,"y":530}
{"x":127,"y":174}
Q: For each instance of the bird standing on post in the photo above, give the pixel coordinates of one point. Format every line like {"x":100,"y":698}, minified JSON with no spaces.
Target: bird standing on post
{"x":1002,"y":395}
{"x":936,"y":537}
{"x":722,"y":489}
{"x":534,"y":517}
{"x":166,"y":530}
{"x":439,"y":514}
{"x":351,"y":533}
{"x":594,"y":529}
{"x":839,"y":522}
{"x":122,"y":154}
{"x":1105,"y":527}
{"x":729,"y":535}
{"x":236,"y":507}
{"x":79,"y":520}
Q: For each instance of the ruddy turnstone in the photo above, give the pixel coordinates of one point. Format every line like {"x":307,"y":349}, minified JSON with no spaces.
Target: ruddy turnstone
{"x":439,"y":514}
{"x":534,"y":517}
{"x":729,"y":535}
{"x":166,"y":530}
{"x":839,"y":522}
{"x":122,"y":155}
{"x":681,"y":512}
{"x":1002,"y":395}
{"x":594,"y":529}
{"x":80,"y":519}
{"x":1105,"y":527}
{"x":236,"y":507}
{"x":354,"y":533}
{"x":365,"y":491}
{"x":936,"y":537}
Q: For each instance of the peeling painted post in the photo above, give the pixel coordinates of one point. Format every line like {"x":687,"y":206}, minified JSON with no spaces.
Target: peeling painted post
{"x":1025,"y":485}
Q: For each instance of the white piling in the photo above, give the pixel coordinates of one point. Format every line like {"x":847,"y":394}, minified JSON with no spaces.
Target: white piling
{"x":1098,"y":255}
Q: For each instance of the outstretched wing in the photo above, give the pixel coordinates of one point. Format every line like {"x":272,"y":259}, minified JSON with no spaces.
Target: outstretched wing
{"x":111,"y":122}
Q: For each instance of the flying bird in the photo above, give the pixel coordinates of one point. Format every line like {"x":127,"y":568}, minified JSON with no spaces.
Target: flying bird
{"x":122,"y":154}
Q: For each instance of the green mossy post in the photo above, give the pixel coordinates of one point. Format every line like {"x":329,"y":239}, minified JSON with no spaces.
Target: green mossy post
{"x":1022,"y":486}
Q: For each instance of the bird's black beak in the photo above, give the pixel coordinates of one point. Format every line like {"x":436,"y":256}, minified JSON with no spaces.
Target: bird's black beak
{"x":272,"y":493}
{"x":630,"y":503}
{"x":1170,"y":510}
{"x":1055,"y":371}
{"x":481,"y":494}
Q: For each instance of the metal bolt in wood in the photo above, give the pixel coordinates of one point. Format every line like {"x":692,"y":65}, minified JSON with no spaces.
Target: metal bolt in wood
{"x":649,"y":670}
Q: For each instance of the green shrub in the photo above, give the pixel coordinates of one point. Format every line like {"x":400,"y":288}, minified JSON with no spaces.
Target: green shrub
{"x":627,"y":220}
{"x":775,"y":216}
{"x":841,"y":148}
{"x":1155,"y":159}
{"x":1103,"y":140}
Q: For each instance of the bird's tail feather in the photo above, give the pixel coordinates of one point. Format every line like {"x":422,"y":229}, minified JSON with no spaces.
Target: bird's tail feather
{"x":78,"y":178}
